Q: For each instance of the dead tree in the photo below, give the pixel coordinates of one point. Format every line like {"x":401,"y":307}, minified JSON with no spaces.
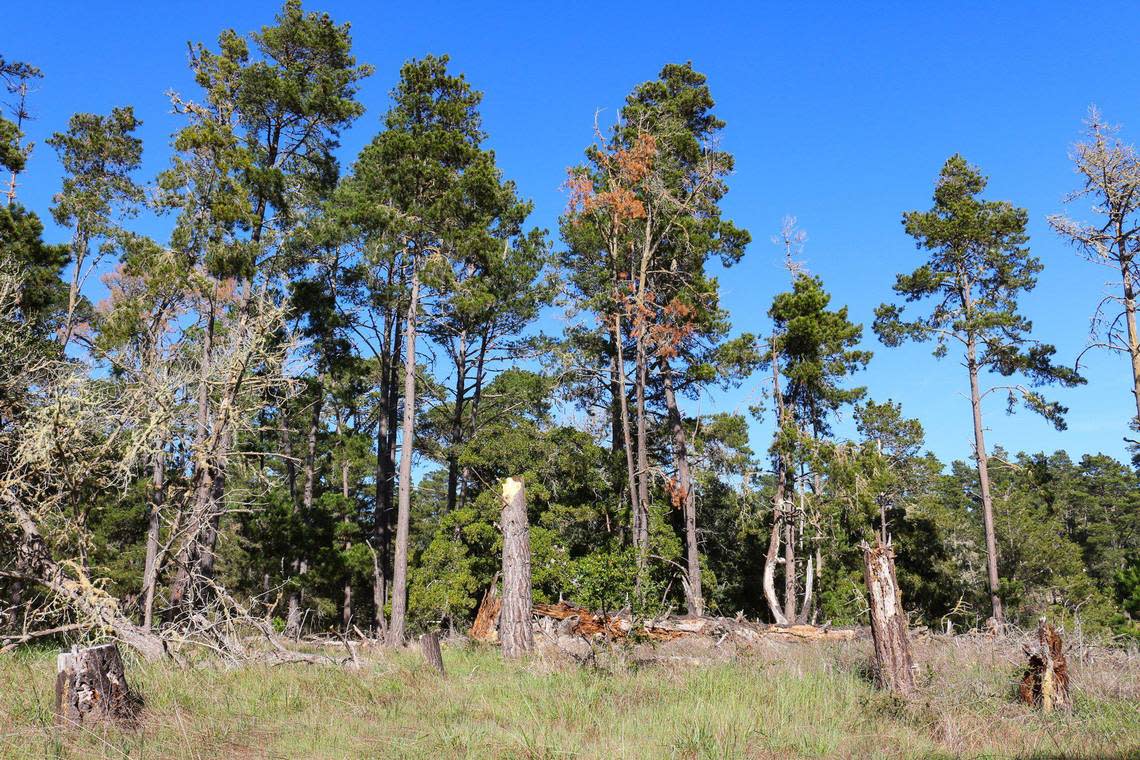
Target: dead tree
{"x":515,"y":632}
{"x":429,"y":644}
{"x":894,"y":669}
{"x":1046,"y":681}
{"x":91,"y":687}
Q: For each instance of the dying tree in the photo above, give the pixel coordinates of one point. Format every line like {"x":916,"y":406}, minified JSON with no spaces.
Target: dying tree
{"x":977,"y":266}
{"x":643,"y":222}
{"x":1110,"y":178}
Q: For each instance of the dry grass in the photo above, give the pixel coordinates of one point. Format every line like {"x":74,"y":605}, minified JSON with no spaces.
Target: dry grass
{"x":776,"y":701}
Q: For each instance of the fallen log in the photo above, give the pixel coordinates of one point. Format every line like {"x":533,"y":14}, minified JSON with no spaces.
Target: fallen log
{"x":587,"y":623}
{"x":91,"y":687}
{"x":1045,"y":684}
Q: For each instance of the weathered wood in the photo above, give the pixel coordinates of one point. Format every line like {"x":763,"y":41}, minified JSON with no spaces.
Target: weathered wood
{"x":429,"y":644}
{"x":515,"y":632}
{"x":1046,"y":680}
{"x":486,"y":625}
{"x":894,"y":668}
{"x":91,"y":687}
{"x":581,"y":622}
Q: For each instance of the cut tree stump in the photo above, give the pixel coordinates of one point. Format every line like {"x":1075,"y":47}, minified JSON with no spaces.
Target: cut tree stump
{"x":429,"y":643}
{"x":894,"y":668}
{"x":1046,"y":681}
{"x":516,"y":634}
{"x":91,"y":687}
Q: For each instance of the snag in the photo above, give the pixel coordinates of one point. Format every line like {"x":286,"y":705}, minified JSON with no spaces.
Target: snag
{"x":429,"y":644}
{"x":894,"y":668}
{"x":515,"y":630}
{"x":91,"y":687}
{"x":1046,"y":681}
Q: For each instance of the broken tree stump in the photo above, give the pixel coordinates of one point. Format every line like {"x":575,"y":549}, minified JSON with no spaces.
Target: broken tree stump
{"x":515,"y":632}
{"x":429,"y":644}
{"x":91,"y":687}
{"x":894,"y":668}
{"x":1046,"y":681}
{"x":486,"y":625}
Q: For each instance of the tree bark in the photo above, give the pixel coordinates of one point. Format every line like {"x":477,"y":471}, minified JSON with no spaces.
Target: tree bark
{"x":385,"y":467}
{"x":457,"y":423}
{"x":894,"y":669}
{"x":429,"y":644}
{"x":1133,"y":338}
{"x":984,"y":482}
{"x":154,"y":525}
{"x":627,"y":441}
{"x":688,"y":493}
{"x":789,"y":564}
{"x":515,"y":632}
{"x":779,"y":505}
{"x":642,"y":536}
{"x":396,"y":627}
{"x":1046,"y":681}
{"x":91,"y":687}
{"x":93,"y":608}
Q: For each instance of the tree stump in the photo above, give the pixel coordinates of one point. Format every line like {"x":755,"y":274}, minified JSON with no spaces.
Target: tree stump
{"x":515,"y":631}
{"x":485,"y":627}
{"x":893,"y":665}
{"x":1046,"y":681}
{"x":429,"y":644}
{"x":91,"y":687}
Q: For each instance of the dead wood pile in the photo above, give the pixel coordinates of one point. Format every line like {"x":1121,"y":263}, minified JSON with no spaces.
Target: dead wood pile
{"x":564,"y":619}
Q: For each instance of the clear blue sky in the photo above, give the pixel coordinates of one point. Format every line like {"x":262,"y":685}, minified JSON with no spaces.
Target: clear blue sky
{"x":839,"y":113}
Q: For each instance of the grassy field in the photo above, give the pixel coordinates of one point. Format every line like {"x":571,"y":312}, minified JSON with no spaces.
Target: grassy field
{"x":786,"y":700}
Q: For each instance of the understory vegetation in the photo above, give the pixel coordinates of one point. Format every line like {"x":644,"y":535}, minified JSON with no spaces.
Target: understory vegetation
{"x":779,"y":701}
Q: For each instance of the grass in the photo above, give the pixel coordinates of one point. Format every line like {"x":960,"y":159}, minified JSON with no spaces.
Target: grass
{"x":796,"y":700}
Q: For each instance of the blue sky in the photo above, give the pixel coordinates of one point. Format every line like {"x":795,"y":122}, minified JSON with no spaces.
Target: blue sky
{"x":838,"y":113}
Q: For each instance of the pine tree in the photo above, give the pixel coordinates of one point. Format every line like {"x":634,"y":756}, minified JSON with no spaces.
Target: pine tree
{"x":978,"y":264}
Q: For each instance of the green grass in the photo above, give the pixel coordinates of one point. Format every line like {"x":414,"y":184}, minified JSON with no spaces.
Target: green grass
{"x":793,"y":701}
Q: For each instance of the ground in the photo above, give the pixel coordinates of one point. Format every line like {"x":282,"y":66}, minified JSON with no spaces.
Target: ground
{"x":681,"y":699}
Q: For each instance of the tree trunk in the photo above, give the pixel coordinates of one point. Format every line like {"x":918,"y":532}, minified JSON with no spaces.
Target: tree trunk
{"x":92,"y":607}
{"x":789,"y":563}
{"x":627,"y":441}
{"x":346,"y":609}
{"x":457,"y":424}
{"x":1046,"y":681}
{"x":404,"y":506}
{"x":154,"y":526}
{"x":308,"y":486}
{"x":429,"y":644}
{"x":779,"y":505}
{"x":91,"y":687}
{"x":181,"y":591}
{"x":893,"y":665}
{"x":515,"y":632}
{"x":688,"y":493}
{"x":984,"y":483}
{"x":485,"y":625}
{"x":642,"y":536}
{"x":769,"y":581}
{"x":1133,"y":338}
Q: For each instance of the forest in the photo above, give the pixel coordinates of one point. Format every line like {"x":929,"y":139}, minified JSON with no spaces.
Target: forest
{"x":301,"y":406}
